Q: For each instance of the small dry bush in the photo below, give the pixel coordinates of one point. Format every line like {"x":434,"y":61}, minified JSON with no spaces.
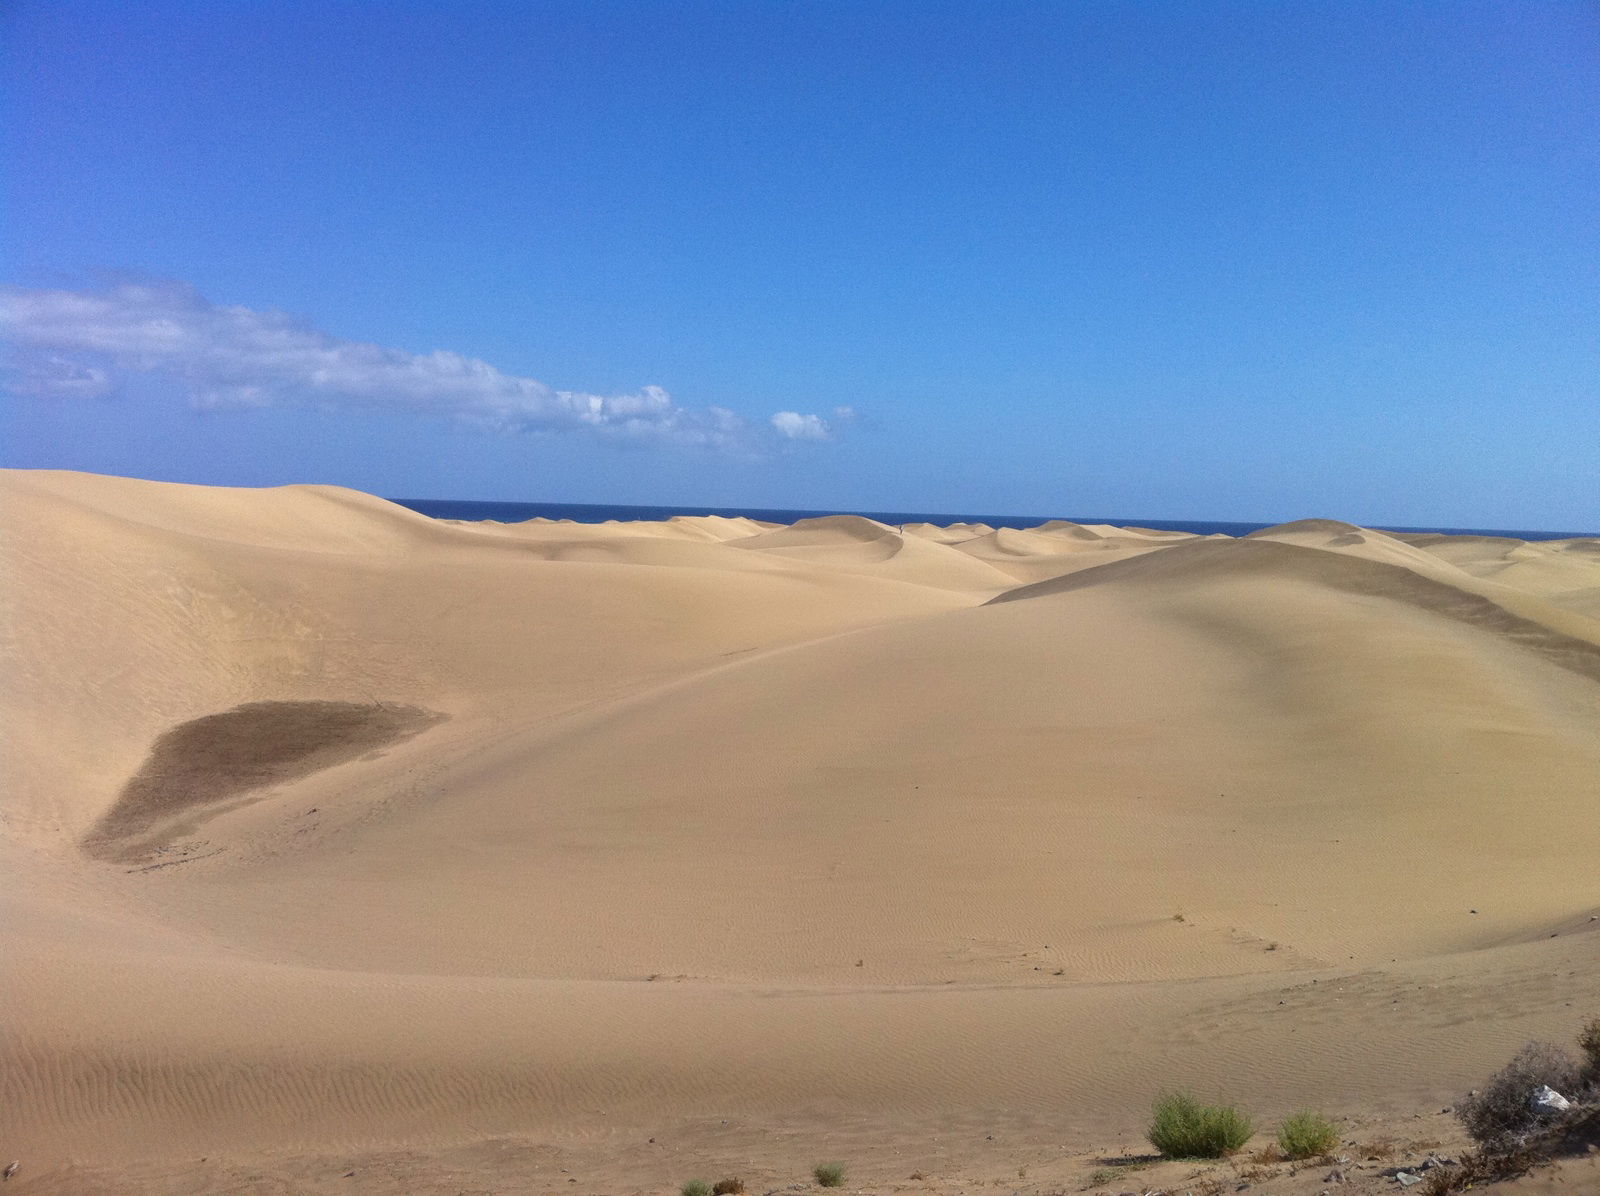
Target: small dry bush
{"x":728,"y":1187}
{"x":1589,"y":1044}
{"x":1512,"y":1137}
{"x":1183,"y":1128}
{"x":1381,"y":1149}
{"x":1307,"y":1135}
{"x":828,"y":1175}
{"x":1479,"y":1168}
{"x":1502,"y":1110}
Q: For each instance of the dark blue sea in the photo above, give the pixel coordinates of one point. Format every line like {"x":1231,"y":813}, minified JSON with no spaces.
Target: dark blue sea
{"x":516,"y":512}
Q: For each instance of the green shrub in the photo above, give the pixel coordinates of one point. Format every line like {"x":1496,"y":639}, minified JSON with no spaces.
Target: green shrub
{"x":829,"y":1175}
{"x":696,"y":1187}
{"x":1183,"y":1128}
{"x":1307,"y":1135}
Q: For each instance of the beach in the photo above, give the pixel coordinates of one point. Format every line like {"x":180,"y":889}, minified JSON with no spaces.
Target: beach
{"x":552,"y":856}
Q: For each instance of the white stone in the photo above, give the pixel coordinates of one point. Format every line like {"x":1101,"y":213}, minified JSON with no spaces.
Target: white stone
{"x":1547,"y":1100}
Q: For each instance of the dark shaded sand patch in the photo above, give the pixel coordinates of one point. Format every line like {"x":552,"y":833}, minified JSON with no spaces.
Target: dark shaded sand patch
{"x":202,"y":767}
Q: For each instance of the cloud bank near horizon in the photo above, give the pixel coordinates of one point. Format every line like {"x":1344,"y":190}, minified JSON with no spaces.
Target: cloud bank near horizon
{"x":80,"y":344}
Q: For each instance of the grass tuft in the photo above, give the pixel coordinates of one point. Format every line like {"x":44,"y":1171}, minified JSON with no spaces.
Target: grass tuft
{"x":1307,"y":1135}
{"x":828,"y":1175}
{"x":696,"y":1187}
{"x":1183,"y":1128}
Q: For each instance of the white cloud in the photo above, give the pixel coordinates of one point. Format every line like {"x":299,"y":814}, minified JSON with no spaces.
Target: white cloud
{"x":801,"y":427}
{"x":51,"y":375}
{"x":794,"y":426}
{"x":76,"y":344}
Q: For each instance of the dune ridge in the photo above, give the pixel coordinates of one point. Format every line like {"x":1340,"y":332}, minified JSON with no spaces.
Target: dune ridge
{"x":334,"y":827}
{"x":1571,"y":643}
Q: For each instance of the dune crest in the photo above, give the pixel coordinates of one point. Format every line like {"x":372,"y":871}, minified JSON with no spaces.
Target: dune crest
{"x":855,"y":543}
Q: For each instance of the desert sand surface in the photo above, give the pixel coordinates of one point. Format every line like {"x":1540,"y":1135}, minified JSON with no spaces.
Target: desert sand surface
{"x":351,"y":850}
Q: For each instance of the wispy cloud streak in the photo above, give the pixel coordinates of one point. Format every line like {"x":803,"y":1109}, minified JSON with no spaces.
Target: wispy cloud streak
{"x":80,"y":344}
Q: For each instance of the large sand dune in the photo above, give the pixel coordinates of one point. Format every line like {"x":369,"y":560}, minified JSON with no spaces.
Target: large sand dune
{"x":331,"y":827}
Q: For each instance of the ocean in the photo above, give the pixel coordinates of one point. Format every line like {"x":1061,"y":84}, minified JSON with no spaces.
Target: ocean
{"x":517,"y":512}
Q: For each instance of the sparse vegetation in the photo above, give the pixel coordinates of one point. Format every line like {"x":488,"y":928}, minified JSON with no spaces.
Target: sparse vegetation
{"x":1307,"y":1135}
{"x":1502,"y":1111}
{"x":1513,"y":1137}
{"x":828,"y":1175}
{"x":1381,"y":1150}
{"x":1183,"y":1128}
{"x":1117,"y":1168}
{"x":1589,"y":1044}
{"x":1481,"y":1168}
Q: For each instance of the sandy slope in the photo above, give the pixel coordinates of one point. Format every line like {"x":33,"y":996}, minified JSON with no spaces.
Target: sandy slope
{"x":331,"y":827}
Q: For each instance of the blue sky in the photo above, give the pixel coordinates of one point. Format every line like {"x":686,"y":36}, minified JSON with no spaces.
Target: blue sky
{"x":1163,"y":260}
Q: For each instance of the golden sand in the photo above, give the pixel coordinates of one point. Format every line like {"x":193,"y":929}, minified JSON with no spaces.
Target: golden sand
{"x":332,"y":828}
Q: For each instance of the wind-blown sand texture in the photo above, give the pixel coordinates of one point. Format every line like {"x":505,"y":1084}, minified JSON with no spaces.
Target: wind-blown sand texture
{"x":330,"y":828}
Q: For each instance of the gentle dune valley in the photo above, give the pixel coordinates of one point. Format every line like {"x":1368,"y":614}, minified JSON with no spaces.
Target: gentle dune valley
{"x":593,"y":857}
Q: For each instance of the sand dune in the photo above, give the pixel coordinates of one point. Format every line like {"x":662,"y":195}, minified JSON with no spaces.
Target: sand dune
{"x":1560,"y":571}
{"x":1034,"y":555}
{"x":851,"y":543}
{"x":331,"y":827}
{"x":949,"y":534}
{"x":1069,"y":530}
{"x":679,"y":527}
